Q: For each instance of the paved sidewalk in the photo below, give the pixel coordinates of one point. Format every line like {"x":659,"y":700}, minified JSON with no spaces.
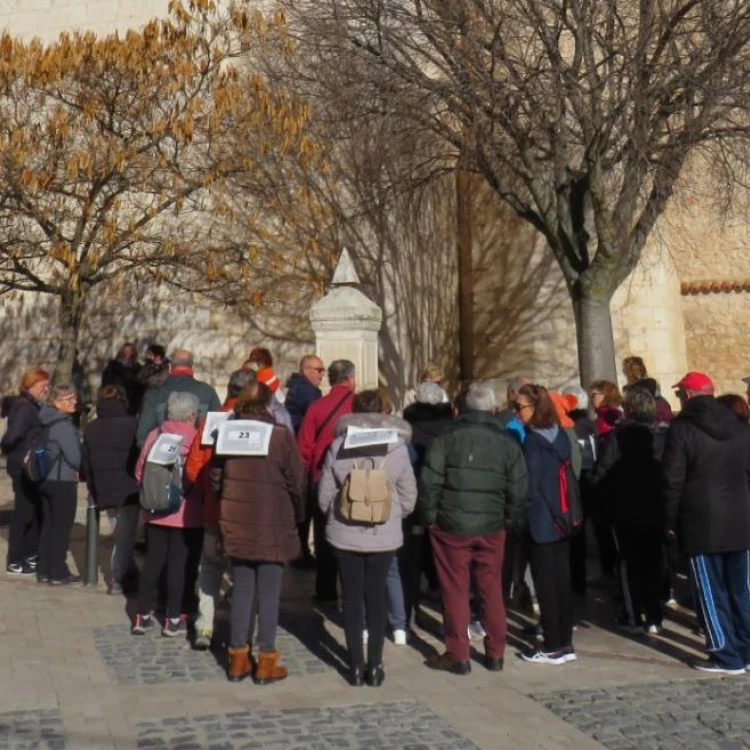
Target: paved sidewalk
{"x":72,"y":677}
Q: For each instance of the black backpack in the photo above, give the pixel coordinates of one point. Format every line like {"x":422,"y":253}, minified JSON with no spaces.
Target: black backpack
{"x":38,"y":460}
{"x":569,"y":514}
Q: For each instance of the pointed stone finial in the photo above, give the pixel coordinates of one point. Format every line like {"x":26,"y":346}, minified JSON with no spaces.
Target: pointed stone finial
{"x":345,"y":272}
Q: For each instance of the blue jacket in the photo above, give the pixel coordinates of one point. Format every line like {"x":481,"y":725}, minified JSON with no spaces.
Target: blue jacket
{"x":300,"y":394}
{"x":543,"y":460}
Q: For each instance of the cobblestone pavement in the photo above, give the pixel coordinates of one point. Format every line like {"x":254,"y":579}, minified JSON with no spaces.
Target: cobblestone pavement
{"x":386,"y":726}
{"x":31,"y":730}
{"x":699,"y":715}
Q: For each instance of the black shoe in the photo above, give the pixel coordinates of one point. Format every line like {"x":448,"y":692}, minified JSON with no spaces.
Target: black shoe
{"x":69,"y":580}
{"x":32,"y":561}
{"x":494,"y":664}
{"x":20,"y":569}
{"x":375,"y":676}
{"x":357,"y":676}
{"x":446,"y":663}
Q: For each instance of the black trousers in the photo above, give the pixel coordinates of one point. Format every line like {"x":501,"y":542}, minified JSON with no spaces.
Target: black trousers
{"x":325,"y":568}
{"x":363,"y":580}
{"x":550,"y":566}
{"x":173,"y":547}
{"x":23,"y":535}
{"x":641,"y":554}
{"x":59,"y":501}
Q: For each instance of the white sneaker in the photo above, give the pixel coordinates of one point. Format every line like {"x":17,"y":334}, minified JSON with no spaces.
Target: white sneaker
{"x":653,"y":629}
{"x":365,"y":637}
{"x":554,"y":658}
{"x":476,"y":630}
{"x":399,"y":637}
{"x":671,"y":603}
{"x":713,"y":668}
{"x":569,"y":654}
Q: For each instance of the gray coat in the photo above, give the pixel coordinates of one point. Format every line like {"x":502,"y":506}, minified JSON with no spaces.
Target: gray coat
{"x":64,"y":444}
{"x":339,"y":462}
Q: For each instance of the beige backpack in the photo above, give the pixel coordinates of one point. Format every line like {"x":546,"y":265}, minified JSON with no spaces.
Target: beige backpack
{"x":366,"y":496}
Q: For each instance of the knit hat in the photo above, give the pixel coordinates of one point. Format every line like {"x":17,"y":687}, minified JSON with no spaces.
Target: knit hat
{"x":268,"y":377}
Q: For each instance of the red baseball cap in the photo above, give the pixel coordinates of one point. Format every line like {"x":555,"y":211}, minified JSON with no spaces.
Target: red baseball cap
{"x":696,"y":381}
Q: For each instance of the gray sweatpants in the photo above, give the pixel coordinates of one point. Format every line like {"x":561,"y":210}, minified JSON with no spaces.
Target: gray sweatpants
{"x":261,"y":581}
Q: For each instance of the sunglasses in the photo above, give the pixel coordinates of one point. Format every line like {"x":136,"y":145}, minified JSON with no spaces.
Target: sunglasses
{"x":520,"y":407}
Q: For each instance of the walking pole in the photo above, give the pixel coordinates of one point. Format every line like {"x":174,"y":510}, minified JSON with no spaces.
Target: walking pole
{"x":92,"y":543}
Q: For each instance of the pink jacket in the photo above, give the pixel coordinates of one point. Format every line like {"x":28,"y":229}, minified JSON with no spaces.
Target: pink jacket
{"x":190,"y":514}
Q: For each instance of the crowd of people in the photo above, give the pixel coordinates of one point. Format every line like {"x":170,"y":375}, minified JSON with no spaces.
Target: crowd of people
{"x":478,"y":503}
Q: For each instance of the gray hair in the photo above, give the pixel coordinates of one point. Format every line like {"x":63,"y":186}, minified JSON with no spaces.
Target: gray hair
{"x":238,"y":380}
{"x":430,"y":393}
{"x":339,"y":371}
{"x":515,"y":385}
{"x":59,"y":392}
{"x":481,"y":397}
{"x":181,"y":405}
{"x":580,"y":395}
{"x":181,"y":358}
{"x":640,"y":405}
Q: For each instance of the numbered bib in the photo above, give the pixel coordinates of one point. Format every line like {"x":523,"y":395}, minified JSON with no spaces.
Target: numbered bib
{"x":362,"y":437}
{"x":166,"y":449}
{"x":213,"y":420}
{"x":243,"y":437}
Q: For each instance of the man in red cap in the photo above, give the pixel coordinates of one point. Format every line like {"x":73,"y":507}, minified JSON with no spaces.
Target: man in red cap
{"x":707,"y":506}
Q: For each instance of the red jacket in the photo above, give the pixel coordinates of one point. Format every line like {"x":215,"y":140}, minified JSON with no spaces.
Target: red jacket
{"x":313,"y":441}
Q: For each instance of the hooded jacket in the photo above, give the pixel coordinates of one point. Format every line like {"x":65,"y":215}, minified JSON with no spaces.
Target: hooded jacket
{"x":22,"y":418}
{"x":473,"y":481}
{"x":545,"y":450}
{"x":64,"y":444}
{"x":705,"y":479}
{"x":110,"y":455}
{"x":300,"y":393}
{"x":395,"y":461}
{"x":628,"y":474}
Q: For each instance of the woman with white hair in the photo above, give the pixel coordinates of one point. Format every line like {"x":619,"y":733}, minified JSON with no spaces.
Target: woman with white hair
{"x":170,"y":538}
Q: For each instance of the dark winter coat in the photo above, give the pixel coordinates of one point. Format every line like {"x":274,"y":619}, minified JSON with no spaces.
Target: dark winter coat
{"x":22,"y":418}
{"x":543,"y":459}
{"x":63,"y":446}
{"x":427,"y":422}
{"x":706,"y":478}
{"x":261,"y":499}
{"x":126,"y":376}
{"x":473,"y":481}
{"x":664,"y":413}
{"x":628,"y":474}
{"x":154,"y":410}
{"x":588,"y":437}
{"x":153,"y":375}
{"x":110,"y":454}
{"x":299,"y":395}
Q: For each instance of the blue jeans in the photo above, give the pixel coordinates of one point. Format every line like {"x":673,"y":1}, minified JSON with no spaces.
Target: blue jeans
{"x":395,"y":592}
{"x":722,"y":583}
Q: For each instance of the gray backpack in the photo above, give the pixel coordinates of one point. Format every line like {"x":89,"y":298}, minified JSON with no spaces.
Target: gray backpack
{"x":161,"y":488}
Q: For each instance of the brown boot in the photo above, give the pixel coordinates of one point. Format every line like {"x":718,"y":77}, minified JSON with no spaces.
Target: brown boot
{"x":240,"y":664}
{"x":268,"y":669}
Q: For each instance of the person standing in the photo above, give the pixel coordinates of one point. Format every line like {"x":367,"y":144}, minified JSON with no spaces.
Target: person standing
{"x":23,"y":536}
{"x":707,"y":504}
{"x":59,"y":488}
{"x":155,"y":368}
{"x":181,"y":380}
{"x":108,"y":465}
{"x":548,"y":448}
{"x":314,"y":439}
{"x":627,"y":479}
{"x":472,"y":489}
{"x":303,"y":388}
{"x":123,"y":370}
{"x":364,"y":553}
{"x":261,"y":501}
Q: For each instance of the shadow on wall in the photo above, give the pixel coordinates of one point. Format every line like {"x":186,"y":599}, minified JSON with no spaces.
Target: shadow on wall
{"x":523,"y":319}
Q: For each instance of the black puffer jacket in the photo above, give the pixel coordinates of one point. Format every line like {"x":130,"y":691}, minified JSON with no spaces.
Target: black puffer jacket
{"x":22,"y":418}
{"x":427,"y":422}
{"x":706,"y":478}
{"x":110,"y":454}
{"x":628,"y":474}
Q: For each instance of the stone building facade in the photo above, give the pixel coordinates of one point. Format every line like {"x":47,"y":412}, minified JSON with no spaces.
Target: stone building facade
{"x":683,"y":308}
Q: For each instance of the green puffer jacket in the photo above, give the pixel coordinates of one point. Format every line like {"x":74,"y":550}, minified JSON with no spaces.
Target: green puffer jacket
{"x":474,"y":479}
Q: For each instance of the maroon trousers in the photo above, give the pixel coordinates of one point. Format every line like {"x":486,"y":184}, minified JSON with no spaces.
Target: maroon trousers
{"x":454,"y":556}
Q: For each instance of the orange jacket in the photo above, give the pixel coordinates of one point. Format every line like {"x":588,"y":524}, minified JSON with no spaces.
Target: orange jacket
{"x":196,"y":470}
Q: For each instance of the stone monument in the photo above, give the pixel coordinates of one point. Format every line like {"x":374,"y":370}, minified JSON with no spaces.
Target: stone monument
{"x":346,"y":324}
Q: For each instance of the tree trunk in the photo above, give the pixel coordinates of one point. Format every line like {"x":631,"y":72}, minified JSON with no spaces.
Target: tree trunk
{"x":596,"y":345}
{"x":71,"y":315}
{"x":464,"y":249}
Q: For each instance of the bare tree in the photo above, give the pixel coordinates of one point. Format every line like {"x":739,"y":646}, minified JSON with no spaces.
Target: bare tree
{"x":581,"y":114}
